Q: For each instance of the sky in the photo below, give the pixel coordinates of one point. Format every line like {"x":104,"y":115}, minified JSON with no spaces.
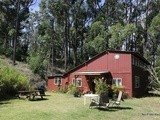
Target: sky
{"x":35,"y":6}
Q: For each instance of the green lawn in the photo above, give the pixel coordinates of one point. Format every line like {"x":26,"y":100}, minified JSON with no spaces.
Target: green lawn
{"x":66,"y":107}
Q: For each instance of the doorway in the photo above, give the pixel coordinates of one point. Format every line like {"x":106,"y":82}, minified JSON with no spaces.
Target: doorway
{"x":92,"y":84}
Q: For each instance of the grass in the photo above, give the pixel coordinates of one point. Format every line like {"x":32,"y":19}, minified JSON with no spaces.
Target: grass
{"x":66,"y":107}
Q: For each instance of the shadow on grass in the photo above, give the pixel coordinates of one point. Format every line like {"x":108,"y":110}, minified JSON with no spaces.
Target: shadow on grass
{"x":113,"y":109}
{"x":152,"y":95}
{"x":107,"y":109}
{"x":38,"y":99}
{"x":121,"y":108}
{"x":4,"y":102}
{"x":48,"y":95}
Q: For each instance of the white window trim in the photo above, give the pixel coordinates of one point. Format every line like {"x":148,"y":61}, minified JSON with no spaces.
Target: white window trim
{"x":137,"y":79}
{"x":77,"y":79}
{"x":55,"y":81}
{"x":117,"y":79}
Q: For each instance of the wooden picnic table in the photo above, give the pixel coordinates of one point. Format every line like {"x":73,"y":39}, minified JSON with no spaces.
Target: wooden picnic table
{"x":31,"y":94}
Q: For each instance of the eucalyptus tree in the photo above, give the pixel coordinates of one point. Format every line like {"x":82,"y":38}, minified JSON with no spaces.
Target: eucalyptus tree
{"x":40,"y":32}
{"x":78,"y":30}
{"x":154,"y":43}
{"x":13,"y":14}
{"x":59,"y":9}
{"x":95,"y":42}
{"x":69,"y":20}
{"x":111,"y":27}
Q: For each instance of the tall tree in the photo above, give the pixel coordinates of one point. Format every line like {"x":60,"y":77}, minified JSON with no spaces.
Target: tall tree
{"x":9,"y":10}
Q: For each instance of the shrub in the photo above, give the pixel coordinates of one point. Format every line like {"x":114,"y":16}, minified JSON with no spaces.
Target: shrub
{"x":101,"y":85}
{"x":37,"y":68}
{"x":71,"y":89}
{"x":74,"y":90}
{"x":11,"y":80}
{"x":116,"y":89}
{"x":61,"y":90}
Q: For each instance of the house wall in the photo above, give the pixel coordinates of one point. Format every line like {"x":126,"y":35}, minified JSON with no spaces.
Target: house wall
{"x":98,"y":64}
{"x":143,"y":74}
{"x":51,"y":84}
{"x":70,"y":78}
{"x":121,"y":68}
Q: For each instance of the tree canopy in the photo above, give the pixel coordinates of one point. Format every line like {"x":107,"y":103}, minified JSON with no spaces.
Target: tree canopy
{"x":65,"y":33}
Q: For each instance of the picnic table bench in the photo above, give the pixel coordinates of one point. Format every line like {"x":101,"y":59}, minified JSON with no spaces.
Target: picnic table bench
{"x":31,"y":94}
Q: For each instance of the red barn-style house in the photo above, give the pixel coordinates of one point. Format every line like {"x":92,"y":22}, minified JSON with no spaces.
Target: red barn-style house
{"x":118,"y":67}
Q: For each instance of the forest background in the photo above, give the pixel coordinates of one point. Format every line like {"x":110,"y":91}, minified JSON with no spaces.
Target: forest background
{"x":64,"y":33}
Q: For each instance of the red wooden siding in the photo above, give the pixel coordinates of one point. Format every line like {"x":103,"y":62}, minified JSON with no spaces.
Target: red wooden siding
{"x":51,"y":85}
{"x":121,"y":65}
{"x":143,"y":75}
{"x":121,"y":68}
{"x":100,"y":64}
{"x":118,"y":63}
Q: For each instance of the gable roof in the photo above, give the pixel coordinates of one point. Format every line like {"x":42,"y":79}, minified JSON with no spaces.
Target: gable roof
{"x":131,"y":52}
{"x":92,"y":73}
{"x":106,"y":52}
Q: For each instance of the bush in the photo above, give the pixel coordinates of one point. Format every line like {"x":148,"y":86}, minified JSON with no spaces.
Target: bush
{"x":101,"y":85}
{"x":61,"y":90}
{"x":36,"y":67}
{"x":116,"y":89}
{"x":11,"y":80}
{"x":72,"y":89}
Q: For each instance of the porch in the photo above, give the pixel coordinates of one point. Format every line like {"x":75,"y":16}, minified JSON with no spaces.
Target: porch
{"x":91,"y":76}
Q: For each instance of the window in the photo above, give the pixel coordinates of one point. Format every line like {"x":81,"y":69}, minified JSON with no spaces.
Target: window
{"x":77,"y":82}
{"x":58,"y":81}
{"x":137,"y":81}
{"x":117,"y":81}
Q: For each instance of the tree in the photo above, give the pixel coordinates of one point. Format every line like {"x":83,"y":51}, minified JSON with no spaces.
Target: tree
{"x":155,"y":79}
{"x":154,"y":33}
{"x":118,"y":35}
{"x":96,"y":39}
{"x":8,"y":29}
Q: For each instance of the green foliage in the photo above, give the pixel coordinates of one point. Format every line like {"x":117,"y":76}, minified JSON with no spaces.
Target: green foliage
{"x":154,"y":29}
{"x":96,"y":42}
{"x":61,"y":90}
{"x":116,"y":89}
{"x":71,"y":89}
{"x":119,"y":33}
{"x":68,"y":32}
{"x":65,"y":107}
{"x":101,"y":85}
{"x":156,"y":80}
{"x":36,"y":64}
{"x":8,"y":19}
{"x":11,"y":80}
{"x":8,"y":52}
{"x":11,"y":32}
{"x":74,"y":90}
{"x":155,"y":77}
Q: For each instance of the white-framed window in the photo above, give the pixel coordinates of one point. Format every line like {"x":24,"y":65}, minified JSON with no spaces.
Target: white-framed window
{"x":58,"y":81}
{"x":117,"y":81}
{"x":137,"y":81}
{"x":77,"y":82}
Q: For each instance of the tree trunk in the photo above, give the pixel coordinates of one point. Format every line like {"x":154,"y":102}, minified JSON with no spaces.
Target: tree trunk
{"x":16,"y":34}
